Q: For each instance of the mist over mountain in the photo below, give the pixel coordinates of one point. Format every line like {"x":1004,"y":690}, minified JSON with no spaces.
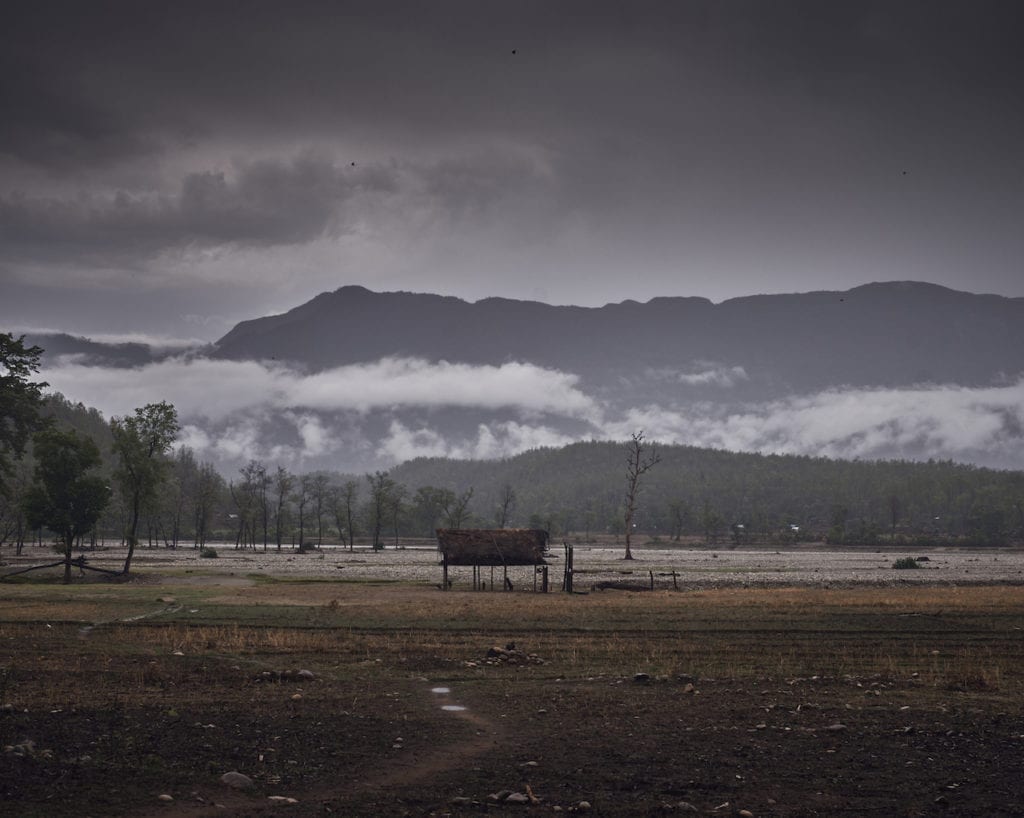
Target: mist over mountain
{"x":356,"y":380}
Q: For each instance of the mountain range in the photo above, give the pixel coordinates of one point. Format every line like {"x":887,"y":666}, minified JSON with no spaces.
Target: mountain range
{"x":359,"y":379}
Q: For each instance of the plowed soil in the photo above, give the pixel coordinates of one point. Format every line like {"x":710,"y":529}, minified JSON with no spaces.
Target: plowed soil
{"x":862,"y":701}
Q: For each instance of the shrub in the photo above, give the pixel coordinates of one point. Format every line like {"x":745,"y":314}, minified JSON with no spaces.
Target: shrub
{"x":906,"y":562}
{"x":208,"y":553}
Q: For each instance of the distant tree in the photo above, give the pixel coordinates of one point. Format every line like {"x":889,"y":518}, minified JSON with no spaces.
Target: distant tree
{"x":12,"y":505}
{"x":349,"y":494}
{"x":141,"y":443}
{"x":639,"y":461}
{"x":20,"y":399}
{"x":426,"y":509}
{"x":396,"y":508}
{"x":65,"y":497}
{"x":506,"y":505}
{"x":894,"y":514}
{"x":456,"y":507}
{"x":284,"y":484}
{"x":381,"y":487}
{"x":209,"y":489}
{"x":319,"y":484}
{"x":303,"y":494}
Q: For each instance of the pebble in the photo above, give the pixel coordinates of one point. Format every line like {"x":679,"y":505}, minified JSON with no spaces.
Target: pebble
{"x":164,"y":797}
{"x":583,"y":806}
{"x":517,"y":798}
{"x":296,"y":697}
{"x":282,"y":799}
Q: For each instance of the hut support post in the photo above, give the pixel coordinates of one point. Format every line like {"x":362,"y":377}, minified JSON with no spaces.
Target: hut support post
{"x":444,"y":580}
{"x":544,"y":579}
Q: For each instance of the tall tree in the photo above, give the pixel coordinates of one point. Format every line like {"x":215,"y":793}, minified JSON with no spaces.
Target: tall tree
{"x":302,"y":497}
{"x":65,"y":497}
{"x":284,"y":483}
{"x":381,"y":487}
{"x":340,"y":501}
{"x":639,"y":460}
{"x":20,"y":399}
{"x":349,"y":495}
{"x":319,"y":489}
{"x":141,"y":443}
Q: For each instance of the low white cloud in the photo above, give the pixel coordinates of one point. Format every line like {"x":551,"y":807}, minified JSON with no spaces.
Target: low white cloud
{"x":491,"y":441}
{"x":975,"y":425}
{"x":702,"y":373}
{"x":233,"y":411}
{"x":214,"y":389}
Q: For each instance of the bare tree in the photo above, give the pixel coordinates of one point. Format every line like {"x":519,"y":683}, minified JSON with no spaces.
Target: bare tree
{"x":318,"y":488}
{"x":302,"y":497}
{"x":456,"y":507}
{"x":640,"y":459}
{"x":349,"y":493}
{"x":506,"y":505}
{"x":381,"y":488}
{"x":284,"y":482}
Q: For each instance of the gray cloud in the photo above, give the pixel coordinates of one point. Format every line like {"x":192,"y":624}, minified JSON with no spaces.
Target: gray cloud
{"x":259,"y":203}
{"x":701,"y":148}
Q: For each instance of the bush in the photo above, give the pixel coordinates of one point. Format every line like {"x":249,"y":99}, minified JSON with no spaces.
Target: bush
{"x":208,"y":553}
{"x":906,"y":562}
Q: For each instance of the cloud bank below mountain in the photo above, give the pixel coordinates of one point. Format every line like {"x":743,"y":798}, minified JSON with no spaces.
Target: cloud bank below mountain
{"x":376,"y":414}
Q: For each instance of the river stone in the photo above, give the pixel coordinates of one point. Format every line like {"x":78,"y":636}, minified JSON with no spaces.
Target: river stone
{"x":517,"y":798}
{"x":236,"y":780}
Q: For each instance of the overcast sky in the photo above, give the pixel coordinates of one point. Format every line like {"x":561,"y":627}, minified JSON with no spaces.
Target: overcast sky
{"x":172,"y":168}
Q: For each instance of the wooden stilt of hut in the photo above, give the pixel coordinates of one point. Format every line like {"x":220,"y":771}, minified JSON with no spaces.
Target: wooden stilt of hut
{"x":494,"y":547}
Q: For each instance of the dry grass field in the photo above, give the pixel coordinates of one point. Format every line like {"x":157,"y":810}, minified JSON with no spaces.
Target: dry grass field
{"x":790,"y":700}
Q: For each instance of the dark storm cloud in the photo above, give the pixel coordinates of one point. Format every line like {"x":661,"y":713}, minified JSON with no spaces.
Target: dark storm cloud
{"x":137,"y":75}
{"x":572,"y":151}
{"x":264,"y":203}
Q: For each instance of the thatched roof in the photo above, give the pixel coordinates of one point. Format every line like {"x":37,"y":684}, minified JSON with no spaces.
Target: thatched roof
{"x":493,"y":546}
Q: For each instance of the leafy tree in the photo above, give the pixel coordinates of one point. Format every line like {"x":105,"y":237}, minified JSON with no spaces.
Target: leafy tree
{"x":20,"y":399}
{"x":65,"y":498}
{"x":141,"y":443}
{"x":426,"y":509}
{"x":638,"y":462}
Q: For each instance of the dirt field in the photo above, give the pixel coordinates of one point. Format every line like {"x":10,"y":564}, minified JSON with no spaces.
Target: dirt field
{"x":826,"y":695}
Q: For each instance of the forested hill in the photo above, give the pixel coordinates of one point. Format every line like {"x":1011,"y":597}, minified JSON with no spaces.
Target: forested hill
{"x":581,"y":488}
{"x":883,"y":334}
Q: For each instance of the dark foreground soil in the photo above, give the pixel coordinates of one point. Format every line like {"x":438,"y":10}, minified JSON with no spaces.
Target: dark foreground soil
{"x":915,"y":715}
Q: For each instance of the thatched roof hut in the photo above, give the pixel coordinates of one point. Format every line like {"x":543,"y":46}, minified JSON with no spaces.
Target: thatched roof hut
{"x":493,"y":546}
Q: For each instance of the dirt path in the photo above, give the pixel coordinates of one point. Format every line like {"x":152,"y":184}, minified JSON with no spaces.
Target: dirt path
{"x":399,"y":772}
